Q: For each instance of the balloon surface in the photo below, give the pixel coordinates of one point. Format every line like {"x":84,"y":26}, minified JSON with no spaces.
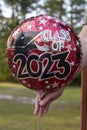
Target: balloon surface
{"x":44,"y":53}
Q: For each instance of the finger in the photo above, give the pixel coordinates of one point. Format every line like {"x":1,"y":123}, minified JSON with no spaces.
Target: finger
{"x":44,"y":109}
{"x":50,"y":97}
{"x":41,"y":110}
{"x":37,"y":106}
{"x":47,"y":100}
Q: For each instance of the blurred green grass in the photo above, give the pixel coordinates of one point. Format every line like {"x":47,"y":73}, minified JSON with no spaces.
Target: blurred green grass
{"x":64,"y":113}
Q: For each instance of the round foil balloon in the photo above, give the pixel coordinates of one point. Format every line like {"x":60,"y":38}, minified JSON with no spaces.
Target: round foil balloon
{"x":44,"y":53}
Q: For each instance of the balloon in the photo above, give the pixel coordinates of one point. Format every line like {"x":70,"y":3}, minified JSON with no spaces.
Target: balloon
{"x":44,"y":53}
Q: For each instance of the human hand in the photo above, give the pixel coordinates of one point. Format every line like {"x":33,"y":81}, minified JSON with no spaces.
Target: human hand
{"x":42,"y":103}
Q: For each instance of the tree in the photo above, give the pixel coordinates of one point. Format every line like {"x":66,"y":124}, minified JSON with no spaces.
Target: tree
{"x":4,"y":70}
{"x":55,"y":8}
{"x":75,"y":13}
{"x":26,"y":6}
{"x":21,"y":7}
{"x":70,"y":11}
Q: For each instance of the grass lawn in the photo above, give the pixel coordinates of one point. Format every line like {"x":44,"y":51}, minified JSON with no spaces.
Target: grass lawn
{"x":64,"y":113}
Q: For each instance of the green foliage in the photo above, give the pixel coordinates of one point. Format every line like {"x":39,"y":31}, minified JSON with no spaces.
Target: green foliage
{"x":55,"y":8}
{"x":76,"y":12}
{"x":5,"y":29}
{"x":21,"y":7}
{"x":67,"y":10}
{"x":76,"y":81}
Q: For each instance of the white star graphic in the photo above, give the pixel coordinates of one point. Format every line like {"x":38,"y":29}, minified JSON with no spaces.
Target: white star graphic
{"x":54,"y":25}
{"x":14,"y":66}
{"x":41,"y":28}
{"x":74,"y":49}
{"x":55,"y":84}
{"x":46,"y":82}
{"x":29,"y":27}
{"x":48,"y":86}
{"x":43,"y":21}
{"x":24,"y":82}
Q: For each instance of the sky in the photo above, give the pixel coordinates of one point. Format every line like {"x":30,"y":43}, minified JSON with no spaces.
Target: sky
{"x":7,"y":11}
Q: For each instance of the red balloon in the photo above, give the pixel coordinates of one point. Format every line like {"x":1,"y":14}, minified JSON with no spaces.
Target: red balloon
{"x":44,"y":53}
